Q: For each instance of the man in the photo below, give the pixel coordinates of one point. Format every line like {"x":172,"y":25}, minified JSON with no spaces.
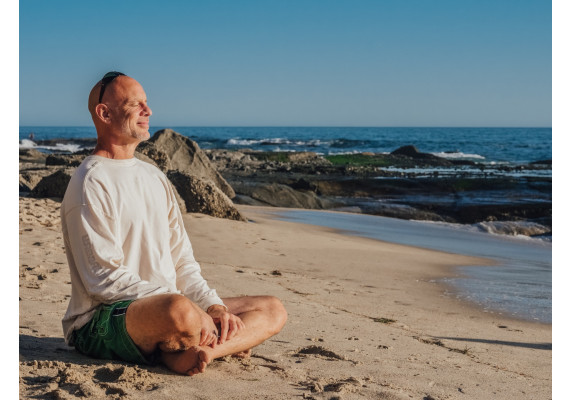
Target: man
{"x":137,"y":292}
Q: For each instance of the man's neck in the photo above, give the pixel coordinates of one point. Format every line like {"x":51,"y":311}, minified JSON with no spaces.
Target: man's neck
{"x":116,"y":152}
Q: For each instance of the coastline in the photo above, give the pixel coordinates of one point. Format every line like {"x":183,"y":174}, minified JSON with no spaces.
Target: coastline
{"x":513,"y":278}
{"x":366,"y":319}
{"x":366,"y":176}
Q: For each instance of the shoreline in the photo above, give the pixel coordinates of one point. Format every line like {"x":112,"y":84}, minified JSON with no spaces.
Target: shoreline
{"x":351,"y":333}
{"x":454,"y":273}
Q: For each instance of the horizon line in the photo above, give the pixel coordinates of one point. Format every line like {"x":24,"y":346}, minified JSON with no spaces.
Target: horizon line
{"x":303,"y":126}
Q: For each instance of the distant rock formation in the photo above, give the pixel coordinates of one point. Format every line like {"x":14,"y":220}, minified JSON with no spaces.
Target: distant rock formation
{"x":413,"y":152}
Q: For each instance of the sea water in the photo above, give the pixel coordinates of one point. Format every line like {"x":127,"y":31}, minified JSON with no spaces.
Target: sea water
{"x":520,"y":284}
{"x":491,"y":146}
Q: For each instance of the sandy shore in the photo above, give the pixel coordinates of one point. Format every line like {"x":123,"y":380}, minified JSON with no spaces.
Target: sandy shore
{"x":366,"y":320}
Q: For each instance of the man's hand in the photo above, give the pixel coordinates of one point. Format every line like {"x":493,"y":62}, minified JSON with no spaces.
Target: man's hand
{"x":230,"y":324}
{"x":209,"y":332}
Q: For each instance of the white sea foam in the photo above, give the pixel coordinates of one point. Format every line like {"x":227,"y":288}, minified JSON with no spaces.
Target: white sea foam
{"x":513,"y":228}
{"x":277,"y":141}
{"x":242,"y":142}
{"x":459,"y":155}
{"x":59,"y":147}
{"x":27,"y":144}
{"x":523,"y":230}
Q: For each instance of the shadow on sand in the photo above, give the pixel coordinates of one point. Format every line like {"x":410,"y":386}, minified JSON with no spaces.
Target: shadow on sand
{"x":538,"y":346}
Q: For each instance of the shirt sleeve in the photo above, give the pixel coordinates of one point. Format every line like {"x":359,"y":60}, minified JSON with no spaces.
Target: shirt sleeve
{"x":189,"y":279}
{"x":100,"y":259}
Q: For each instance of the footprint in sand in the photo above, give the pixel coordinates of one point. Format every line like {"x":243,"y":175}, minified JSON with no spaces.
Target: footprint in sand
{"x":320,"y":385}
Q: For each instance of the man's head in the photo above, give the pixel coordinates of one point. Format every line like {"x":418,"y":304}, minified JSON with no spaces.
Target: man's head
{"x":119,"y":110}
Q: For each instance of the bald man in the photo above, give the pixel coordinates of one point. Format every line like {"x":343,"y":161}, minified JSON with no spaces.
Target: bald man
{"x":137,"y":291}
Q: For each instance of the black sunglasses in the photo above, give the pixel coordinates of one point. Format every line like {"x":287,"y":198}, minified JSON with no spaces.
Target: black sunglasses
{"x":108,"y":78}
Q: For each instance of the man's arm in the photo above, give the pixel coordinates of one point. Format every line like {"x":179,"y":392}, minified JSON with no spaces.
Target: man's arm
{"x":190,"y":281}
{"x":189,"y":278}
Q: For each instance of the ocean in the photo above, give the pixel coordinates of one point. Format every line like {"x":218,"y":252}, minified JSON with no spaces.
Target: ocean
{"x":520,"y":284}
{"x":490,"y":146}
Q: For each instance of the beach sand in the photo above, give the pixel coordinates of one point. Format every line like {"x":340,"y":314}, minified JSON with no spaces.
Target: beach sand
{"x":367,"y":320}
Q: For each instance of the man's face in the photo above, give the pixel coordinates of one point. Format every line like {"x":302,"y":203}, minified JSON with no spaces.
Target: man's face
{"x":129,"y":110}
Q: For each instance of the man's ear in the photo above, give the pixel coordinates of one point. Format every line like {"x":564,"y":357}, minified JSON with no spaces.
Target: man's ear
{"x":102,"y":112}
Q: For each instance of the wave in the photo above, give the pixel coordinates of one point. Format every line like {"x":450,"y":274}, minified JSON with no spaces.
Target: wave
{"x":458,"y":155}
{"x":335,"y":143}
{"x":518,"y":229}
{"x":514,"y":228}
{"x":26,"y":144}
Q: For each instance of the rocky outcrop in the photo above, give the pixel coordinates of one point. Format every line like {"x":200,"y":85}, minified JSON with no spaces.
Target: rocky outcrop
{"x":197,"y":184}
{"x":32,"y":155}
{"x":53,"y":185}
{"x":148,"y":152}
{"x":186,"y":156}
{"x":411,"y":151}
{"x":203,"y":196}
{"x":31,"y":175}
{"x":67,"y":160}
{"x":278,"y":195}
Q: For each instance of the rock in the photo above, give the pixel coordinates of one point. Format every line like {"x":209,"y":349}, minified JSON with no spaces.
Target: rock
{"x":146,"y":159}
{"x":542,"y":162}
{"x":68,"y":160}
{"x":186,"y":156}
{"x":147,"y":151}
{"x":409,"y":151}
{"x":413,"y":152}
{"x":31,"y":177}
{"x":32,"y":155}
{"x":53,"y":185}
{"x":203,"y":196}
{"x":279,"y":195}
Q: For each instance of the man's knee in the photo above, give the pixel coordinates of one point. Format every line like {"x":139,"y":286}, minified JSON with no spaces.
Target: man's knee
{"x":278,"y":313}
{"x":181,"y":314}
{"x":169,"y":321}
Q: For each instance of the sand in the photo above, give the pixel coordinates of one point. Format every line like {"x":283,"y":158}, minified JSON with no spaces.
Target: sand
{"x":367,"y":320}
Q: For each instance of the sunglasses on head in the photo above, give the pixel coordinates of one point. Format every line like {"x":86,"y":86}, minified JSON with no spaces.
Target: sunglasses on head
{"x":108,"y":78}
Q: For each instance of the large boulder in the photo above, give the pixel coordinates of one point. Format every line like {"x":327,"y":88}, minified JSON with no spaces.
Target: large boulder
{"x":148,"y":152}
{"x":203,"y":196}
{"x":30,"y":177}
{"x":278,"y":195}
{"x":53,"y":185}
{"x":186,"y":156}
{"x":32,"y":155}
{"x":67,"y":160}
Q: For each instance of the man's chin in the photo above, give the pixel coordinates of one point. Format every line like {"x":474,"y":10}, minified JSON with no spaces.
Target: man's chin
{"x":142,"y":135}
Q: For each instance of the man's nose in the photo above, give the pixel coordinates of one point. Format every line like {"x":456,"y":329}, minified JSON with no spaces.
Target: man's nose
{"x":147,"y":110}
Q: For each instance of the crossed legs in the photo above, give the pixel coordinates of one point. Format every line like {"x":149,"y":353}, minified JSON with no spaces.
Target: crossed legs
{"x":172,"y":324}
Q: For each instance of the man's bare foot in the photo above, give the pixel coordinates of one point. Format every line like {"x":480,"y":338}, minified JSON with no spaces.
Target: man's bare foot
{"x":189,"y":362}
{"x":204,"y":358}
{"x":242,"y":354}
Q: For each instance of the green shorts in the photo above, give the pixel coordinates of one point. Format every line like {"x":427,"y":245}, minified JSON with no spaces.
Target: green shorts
{"x":105,"y":335}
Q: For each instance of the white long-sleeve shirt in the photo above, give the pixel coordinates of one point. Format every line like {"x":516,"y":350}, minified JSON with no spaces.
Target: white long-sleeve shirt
{"x":125,"y":239}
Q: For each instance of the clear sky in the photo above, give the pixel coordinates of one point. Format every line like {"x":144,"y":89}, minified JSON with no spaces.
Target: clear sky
{"x":294,"y":62}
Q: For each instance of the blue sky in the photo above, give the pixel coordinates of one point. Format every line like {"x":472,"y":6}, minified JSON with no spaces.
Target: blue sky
{"x":296,"y":63}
